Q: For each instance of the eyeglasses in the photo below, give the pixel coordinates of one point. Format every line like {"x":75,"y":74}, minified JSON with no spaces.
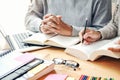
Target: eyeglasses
{"x":70,"y":63}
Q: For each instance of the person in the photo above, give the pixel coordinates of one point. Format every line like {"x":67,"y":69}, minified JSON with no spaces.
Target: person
{"x":111,"y":30}
{"x":67,"y":17}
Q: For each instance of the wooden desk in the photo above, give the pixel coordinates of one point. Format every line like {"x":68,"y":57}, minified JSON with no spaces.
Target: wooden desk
{"x":103,"y":67}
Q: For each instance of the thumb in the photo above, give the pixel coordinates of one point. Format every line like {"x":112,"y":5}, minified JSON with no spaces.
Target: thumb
{"x":59,"y":16}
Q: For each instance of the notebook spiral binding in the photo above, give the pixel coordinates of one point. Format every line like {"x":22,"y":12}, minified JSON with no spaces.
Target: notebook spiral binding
{"x":5,"y":53}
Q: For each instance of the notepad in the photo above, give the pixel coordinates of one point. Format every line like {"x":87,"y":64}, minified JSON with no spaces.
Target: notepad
{"x":13,"y":61}
{"x":56,"y":77}
{"x":40,"y":70}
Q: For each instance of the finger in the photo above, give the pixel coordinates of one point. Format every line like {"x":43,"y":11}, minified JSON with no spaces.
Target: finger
{"x":86,"y":42}
{"x":50,"y":19}
{"x":59,"y":16}
{"x":54,"y":30}
{"x":50,"y":29}
{"x":92,"y":36}
{"x":47,"y":15}
{"x":49,"y":32}
{"x":55,"y":19}
{"x":114,"y":49}
{"x":53,"y":25}
{"x":46,"y":31}
{"x":88,"y":37}
{"x":90,"y":40}
{"x":44,"y":28}
{"x":118,"y":42}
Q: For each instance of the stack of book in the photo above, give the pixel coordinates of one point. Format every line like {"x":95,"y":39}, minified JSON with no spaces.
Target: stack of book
{"x":16,"y":65}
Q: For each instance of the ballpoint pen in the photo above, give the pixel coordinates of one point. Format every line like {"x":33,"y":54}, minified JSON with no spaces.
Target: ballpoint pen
{"x":84,"y":29}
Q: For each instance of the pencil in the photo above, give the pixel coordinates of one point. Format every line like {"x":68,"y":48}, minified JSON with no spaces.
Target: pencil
{"x":84,"y":29}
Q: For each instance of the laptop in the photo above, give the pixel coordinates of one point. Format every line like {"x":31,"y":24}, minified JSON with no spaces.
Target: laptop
{"x":15,"y":41}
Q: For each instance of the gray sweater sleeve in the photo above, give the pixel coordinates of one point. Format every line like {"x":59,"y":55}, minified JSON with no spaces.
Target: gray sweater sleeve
{"x":34,"y":16}
{"x":111,"y":29}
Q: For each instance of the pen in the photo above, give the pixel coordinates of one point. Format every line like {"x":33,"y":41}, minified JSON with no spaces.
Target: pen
{"x":84,"y":29}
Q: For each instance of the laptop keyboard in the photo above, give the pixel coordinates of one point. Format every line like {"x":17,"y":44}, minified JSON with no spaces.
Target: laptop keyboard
{"x":19,"y":39}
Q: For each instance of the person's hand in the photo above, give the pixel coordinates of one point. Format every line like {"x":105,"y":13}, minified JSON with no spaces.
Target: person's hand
{"x":61,"y":28}
{"x":117,"y":48}
{"x":54,"y":24}
{"x":48,"y":19}
{"x":89,"y":36}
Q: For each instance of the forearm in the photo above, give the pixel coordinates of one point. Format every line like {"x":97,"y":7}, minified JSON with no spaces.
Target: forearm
{"x":34,"y":16}
{"x":32,"y":23}
{"x":109,"y":31}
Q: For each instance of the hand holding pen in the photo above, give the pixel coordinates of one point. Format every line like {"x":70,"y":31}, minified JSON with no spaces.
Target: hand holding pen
{"x":88,"y":36}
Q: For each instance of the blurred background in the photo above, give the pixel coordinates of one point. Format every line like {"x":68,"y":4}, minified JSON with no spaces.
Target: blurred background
{"x":12,"y":14}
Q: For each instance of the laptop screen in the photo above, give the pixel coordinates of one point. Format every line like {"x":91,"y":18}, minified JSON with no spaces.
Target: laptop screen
{"x":7,"y":39}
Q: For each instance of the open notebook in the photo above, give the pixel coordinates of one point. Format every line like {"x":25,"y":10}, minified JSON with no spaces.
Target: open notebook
{"x":15,"y":41}
{"x":10,"y":61}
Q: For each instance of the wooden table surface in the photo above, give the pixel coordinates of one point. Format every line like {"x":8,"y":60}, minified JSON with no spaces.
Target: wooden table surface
{"x":103,"y":67}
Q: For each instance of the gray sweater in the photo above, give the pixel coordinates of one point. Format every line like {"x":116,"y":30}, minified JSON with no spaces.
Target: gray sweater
{"x":112,"y":29}
{"x":73,"y":12}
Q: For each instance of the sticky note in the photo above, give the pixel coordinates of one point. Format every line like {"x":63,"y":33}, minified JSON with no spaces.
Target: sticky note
{"x":56,"y":77}
{"x":27,"y":57}
{"x":70,"y":78}
{"x":38,"y":69}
